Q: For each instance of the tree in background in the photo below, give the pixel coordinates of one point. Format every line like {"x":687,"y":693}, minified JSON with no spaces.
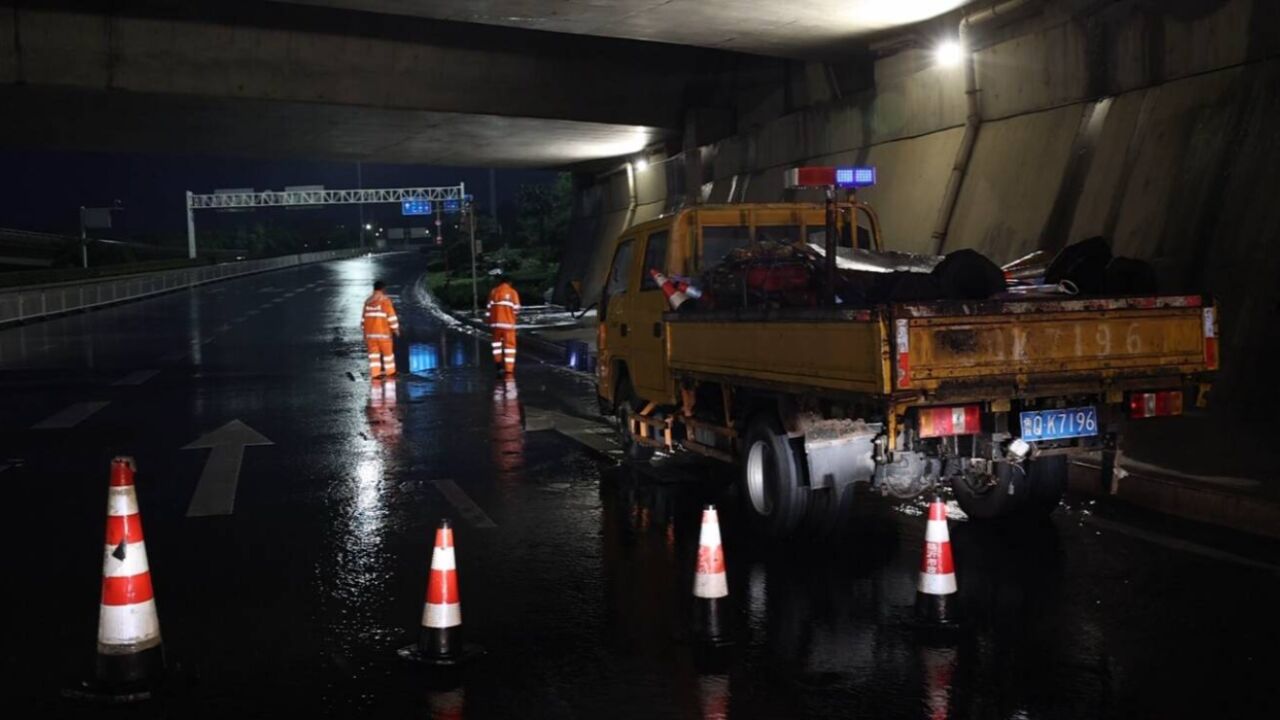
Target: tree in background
{"x":542,"y":213}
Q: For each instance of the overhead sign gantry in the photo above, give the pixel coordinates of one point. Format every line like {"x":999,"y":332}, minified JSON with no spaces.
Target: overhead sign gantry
{"x":449,"y":197}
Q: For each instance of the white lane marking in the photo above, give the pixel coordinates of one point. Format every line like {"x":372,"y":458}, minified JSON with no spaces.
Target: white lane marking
{"x":5,"y":466}
{"x":465,"y":506}
{"x":216,"y":491}
{"x":136,"y":378}
{"x":1183,"y":545}
{"x":70,"y":416}
{"x":593,"y":435}
{"x":253,"y":312}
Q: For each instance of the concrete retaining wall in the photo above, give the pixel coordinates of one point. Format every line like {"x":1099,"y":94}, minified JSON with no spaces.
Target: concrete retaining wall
{"x":1150,"y":123}
{"x":34,"y":303}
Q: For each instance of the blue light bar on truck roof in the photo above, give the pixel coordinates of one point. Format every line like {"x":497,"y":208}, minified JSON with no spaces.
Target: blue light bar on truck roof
{"x":856,"y":176}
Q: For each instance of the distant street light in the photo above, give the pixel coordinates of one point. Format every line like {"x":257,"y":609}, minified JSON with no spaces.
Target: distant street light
{"x":368,"y":226}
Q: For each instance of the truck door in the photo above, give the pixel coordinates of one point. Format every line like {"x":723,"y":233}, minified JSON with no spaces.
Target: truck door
{"x":614,"y":315}
{"x":649,"y":362}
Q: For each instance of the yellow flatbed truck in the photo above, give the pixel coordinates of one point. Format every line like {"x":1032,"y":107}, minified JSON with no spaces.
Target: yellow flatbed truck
{"x":989,"y":396}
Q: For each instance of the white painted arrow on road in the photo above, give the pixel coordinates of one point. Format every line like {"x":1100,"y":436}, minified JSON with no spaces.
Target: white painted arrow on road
{"x":216,"y":491}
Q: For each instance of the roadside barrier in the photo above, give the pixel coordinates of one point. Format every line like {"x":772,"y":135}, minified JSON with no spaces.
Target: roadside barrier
{"x":36,"y":302}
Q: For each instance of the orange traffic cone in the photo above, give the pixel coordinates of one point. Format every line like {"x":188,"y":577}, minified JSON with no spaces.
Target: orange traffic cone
{"x":690,"y":291}
{"x":674,"y":296}
{"x":936,"y":587}
{"x":710,"y":585}
{"x":440,"y":637}
{"x":130,"y":657}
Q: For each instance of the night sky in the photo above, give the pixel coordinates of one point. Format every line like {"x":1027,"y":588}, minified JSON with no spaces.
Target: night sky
{"x":43,"y":190}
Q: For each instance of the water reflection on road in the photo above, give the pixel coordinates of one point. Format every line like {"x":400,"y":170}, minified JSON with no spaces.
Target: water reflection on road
{"x":833,"y":623}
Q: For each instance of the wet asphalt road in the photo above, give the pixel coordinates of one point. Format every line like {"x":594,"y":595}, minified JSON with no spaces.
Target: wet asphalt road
{"x":574,"y":571}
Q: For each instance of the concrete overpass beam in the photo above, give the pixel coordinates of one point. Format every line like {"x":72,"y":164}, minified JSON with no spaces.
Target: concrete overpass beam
{"x":475,"y":69}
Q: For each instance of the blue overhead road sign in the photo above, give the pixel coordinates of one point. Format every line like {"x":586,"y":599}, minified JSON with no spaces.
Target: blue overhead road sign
{"x":417,"y":206}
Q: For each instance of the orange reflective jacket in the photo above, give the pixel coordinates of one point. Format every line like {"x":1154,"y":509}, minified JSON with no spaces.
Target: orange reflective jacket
{"x":504,"y":301}
{"x":380,"y":317}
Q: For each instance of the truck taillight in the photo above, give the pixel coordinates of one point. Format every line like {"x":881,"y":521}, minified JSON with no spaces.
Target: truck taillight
{"x":1155,"y":404}
{"x":902,"y":344}
{"x":1210,"y":338}
{"x":944,"y":421}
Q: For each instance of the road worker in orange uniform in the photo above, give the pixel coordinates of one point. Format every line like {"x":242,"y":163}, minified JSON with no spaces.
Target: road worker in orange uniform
{"x":380,"y":323}
{"x":504,"y":303}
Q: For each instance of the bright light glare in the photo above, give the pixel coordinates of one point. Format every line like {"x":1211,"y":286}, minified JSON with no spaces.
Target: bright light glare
{"x":949,"y":53}
{"x":642,"y":165}
{"x":368,"y":226}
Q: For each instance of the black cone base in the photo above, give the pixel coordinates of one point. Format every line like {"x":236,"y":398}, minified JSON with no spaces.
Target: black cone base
{"x":440,"y":647}
{"x":129,"y":678}
{"x":937,"y":609}
{"x":710,"y":622}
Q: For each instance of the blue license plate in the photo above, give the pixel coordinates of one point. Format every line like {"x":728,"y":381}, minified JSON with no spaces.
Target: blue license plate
{"x":1059,"y":424}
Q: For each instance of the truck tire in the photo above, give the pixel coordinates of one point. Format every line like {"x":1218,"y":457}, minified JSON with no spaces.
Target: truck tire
{"x":1047,"y":478}
{"x":772,"y":475}
{"x":989,"y":497}
{"x":829,"y":510}
{"x":626,"y":403}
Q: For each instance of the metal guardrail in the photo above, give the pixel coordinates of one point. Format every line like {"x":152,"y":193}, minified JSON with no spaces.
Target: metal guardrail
{"x":30,"y":303}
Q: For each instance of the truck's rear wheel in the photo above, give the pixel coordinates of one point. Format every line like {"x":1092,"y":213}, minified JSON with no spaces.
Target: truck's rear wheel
{"x":626,"y":405}
{"x":990,"y":497}
{"x":1031,"y":491}
{"x":771,"y":478}
{"x":1047,"y":477}
{"x":829,"y":510}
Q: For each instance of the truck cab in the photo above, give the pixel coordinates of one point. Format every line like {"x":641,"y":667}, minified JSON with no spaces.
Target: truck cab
{"x":631,"y":337}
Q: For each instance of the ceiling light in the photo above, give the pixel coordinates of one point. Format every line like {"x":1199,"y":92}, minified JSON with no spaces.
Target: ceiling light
{"x":948,"y":53}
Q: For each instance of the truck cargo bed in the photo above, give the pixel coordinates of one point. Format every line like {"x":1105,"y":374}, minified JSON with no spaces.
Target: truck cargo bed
{"x":950,"y":349}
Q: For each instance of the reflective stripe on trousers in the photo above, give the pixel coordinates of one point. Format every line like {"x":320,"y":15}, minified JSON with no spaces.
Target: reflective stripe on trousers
{"x":504,"y":347}
{"x":382,"y":357}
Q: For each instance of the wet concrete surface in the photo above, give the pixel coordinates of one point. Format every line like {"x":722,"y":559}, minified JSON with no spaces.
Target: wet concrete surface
{"x":575,"y":571}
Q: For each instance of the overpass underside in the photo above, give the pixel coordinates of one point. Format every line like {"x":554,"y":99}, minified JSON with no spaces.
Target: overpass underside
{"x":107,"y":120}
{"x":264,"y":79}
